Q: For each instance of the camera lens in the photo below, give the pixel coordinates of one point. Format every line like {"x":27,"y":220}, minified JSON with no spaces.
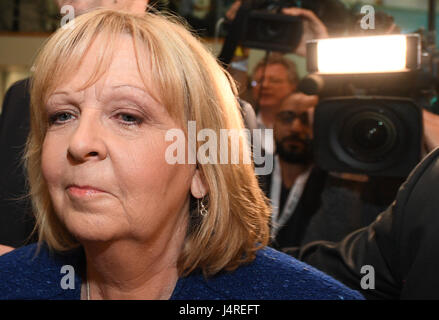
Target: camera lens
{"x":377,"y":136}
{"x":369,"y":136}
{"x":270,"y":30}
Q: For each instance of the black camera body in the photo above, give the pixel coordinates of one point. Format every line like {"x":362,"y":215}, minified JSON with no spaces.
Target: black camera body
{"x":271,"y":31}
{"x":260,"y":24}
{"x":367,"y":122}
{"x":265,"y":27}
{"x":380,"y":136}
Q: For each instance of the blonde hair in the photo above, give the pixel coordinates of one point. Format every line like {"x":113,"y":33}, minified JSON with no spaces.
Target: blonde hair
{"x":192,"y":86}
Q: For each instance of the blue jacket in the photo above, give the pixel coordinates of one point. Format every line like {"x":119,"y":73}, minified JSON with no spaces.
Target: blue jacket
{"x":272,"y":275}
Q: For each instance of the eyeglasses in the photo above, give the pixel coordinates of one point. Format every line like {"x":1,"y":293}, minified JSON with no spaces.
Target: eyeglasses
{"x":270,"y":80}
{"x":287,"y":117}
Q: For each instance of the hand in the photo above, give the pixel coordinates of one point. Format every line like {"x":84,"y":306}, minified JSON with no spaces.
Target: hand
{"x":231,"y":13}
{"x":431,"y":130}
{"x":313,"y":27}
{"x":307,"y":102}
{"x":5,"y":249}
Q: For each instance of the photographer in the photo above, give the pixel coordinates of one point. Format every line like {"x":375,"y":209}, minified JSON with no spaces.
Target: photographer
{"x":400,"y":245}
{"x":395,"y":256}
{"x":313,"y":26}
{"x":308,"y":202}
{"x":273,"y":80}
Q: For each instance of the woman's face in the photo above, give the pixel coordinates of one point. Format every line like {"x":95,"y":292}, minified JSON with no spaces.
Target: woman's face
{"x":103,"y":155}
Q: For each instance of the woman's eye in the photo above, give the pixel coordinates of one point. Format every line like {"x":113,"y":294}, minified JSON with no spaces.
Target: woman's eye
{"x":129,"y":119}
{"x":60,"y":118}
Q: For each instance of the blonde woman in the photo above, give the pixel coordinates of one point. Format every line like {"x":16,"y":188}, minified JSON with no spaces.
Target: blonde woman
{"x":111,"y":207}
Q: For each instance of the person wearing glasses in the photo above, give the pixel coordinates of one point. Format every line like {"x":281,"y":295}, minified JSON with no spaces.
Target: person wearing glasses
{"x":273,"y":80}
{"x":295,"y":185}
{"x":308,"y":203}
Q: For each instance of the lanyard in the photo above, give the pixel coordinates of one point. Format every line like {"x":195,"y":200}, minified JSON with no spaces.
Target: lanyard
{"x":266,"y":144}
{"x":292,"y":200}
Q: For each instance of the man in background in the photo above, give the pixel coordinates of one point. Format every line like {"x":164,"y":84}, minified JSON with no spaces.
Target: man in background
{"x":273,"y":80}
{"x":295,"y":185}
{"x":308,"y":203}
{"x":395,"y":256}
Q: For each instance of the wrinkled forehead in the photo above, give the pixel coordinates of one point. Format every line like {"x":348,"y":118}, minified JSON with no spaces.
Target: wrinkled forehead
{"x":127,"y":47}
{"x":272,"y":69}
{"x":107,"y":61}
{"x":101,"y":65}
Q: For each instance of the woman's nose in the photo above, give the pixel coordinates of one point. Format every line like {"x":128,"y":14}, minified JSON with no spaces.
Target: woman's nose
{"x":87,"y":141}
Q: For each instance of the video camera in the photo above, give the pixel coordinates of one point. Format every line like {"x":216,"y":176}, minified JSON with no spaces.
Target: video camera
{"x":369,"y":119}
{"x":260,"y":24}
{"x":265,"y":27}
{"x":371,"y":88}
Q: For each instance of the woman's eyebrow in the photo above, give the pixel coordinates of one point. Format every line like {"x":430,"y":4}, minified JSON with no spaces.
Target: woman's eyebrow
{"x":147,"y":94}
{"x":57,"y":95}
{"x":63,"y":93}
{"x":60,"y":93}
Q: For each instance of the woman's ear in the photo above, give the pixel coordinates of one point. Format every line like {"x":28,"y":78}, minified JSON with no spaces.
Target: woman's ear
{"x":199,"y":187}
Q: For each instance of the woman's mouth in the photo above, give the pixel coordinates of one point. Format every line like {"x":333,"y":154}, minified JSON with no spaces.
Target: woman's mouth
{"x":83,"y":191}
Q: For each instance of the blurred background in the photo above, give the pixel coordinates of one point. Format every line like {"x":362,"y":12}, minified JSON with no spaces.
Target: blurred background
{"x":26,"y":24}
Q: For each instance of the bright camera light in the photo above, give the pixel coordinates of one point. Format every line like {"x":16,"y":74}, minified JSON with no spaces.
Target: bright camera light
{"x":372,"y":54}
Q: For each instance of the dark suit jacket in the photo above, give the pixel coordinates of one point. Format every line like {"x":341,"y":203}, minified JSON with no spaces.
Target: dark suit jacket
{"x":16,"y":221}
{"x":331,"y":207}
{"x":294,"y":231}
{"x":401,"y":244}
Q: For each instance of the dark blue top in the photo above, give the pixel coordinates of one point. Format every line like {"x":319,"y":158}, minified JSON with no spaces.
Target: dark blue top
{"x":272,"y":275}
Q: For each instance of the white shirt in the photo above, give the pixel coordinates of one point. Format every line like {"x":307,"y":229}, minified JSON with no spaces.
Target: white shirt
{"x":293,"y":199}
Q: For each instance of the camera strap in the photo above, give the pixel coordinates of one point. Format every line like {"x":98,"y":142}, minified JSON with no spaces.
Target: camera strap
{"x":235,"y":34}
{"x":277,"y":222}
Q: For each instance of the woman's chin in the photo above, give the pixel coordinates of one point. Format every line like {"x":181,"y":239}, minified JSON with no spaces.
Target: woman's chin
{"x":84,"y":237}
{"x":92,"y":229}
